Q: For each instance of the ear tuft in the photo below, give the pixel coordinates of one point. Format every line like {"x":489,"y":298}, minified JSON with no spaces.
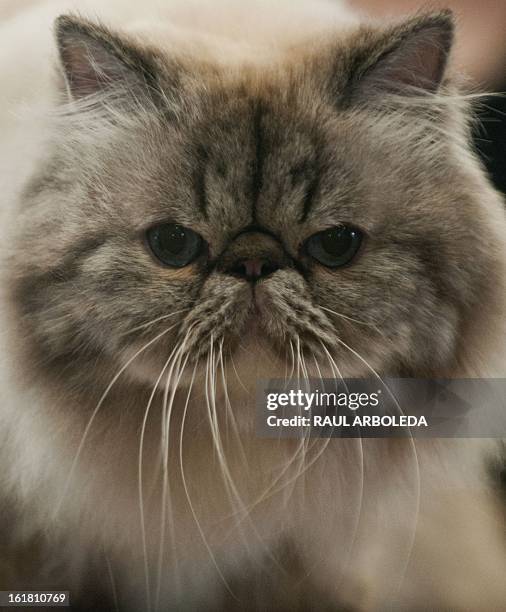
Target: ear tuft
{"x":412,"y":58}
{"x":94,"y":59}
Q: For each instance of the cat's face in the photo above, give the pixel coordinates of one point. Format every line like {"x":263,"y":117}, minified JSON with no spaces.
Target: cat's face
{"x":192,"y":219}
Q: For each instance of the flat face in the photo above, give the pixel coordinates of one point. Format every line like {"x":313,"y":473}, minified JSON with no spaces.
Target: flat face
{"x":353,"y":208}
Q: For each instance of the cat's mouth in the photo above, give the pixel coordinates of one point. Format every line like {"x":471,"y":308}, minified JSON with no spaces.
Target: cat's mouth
{"x":260,"y":326}
{"x":275,"y":313}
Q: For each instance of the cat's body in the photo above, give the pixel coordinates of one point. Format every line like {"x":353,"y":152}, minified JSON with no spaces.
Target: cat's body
{"x":224,"y":515}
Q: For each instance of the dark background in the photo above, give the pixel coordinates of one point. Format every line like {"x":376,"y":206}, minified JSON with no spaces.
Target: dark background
{"x":490,"y":137}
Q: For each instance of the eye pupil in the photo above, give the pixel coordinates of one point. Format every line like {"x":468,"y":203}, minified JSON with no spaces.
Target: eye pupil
{"x":337,"y":241}
{"x":173,"y":240}
{"x":334,"y":247}
{"x":174,"y":245}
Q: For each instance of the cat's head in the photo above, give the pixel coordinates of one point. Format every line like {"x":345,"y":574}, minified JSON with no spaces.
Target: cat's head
{"x":324,"y":204}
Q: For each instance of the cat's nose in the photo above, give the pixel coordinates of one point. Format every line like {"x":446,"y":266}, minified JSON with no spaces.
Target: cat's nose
{"x":253,"y":256}
{"x":253,"y":269}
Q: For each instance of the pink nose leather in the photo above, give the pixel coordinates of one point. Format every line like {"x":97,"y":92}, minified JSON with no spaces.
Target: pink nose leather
{"x":253,"y":268}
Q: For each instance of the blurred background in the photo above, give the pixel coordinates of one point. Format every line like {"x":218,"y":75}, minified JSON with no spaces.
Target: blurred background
{"x":480,"y":52}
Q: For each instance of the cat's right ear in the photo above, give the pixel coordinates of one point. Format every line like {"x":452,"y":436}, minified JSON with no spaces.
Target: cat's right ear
{"x":94,"y":60}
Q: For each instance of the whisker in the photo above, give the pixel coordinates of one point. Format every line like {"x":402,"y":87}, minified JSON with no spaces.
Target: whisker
{"x":415,"y":457}
{"x":228,"y":407}
{"x":113,"y":582}
{"x":305,"y":438}
{"x":361,"y":464}
{"x":306,"y":446}
{"x":292,"y":362}
{"x":236,"y":372}
{"x":213,"y":421}
{"x":166,"y":497}
{"x":96,"y":410}
{"x":272,"y":489}
{"x":244,"y":510}
{"x":140,"y":477}
{"x":152,"y":322}
{"x":187,"y":492}
{"x":348,"y":318}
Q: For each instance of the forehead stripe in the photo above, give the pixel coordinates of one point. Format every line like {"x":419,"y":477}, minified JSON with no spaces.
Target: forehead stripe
{"x":312,"y":183}
{"x":258,"y":159}
{"x":199,"y":179}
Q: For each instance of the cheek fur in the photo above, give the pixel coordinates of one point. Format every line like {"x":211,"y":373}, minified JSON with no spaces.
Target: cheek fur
{"x":390,"y":307}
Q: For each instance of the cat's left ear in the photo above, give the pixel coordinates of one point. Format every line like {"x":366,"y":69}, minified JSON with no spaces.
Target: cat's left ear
{"x":95,"y":60}
{"x":408,"y":59}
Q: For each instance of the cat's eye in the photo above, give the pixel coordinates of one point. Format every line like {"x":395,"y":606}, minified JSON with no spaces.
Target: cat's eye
{"x":336,"y":246}
{"x":174,"y":245}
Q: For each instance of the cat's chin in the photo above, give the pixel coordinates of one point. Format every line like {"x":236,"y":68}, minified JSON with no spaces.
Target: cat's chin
{"x":246,"y":357}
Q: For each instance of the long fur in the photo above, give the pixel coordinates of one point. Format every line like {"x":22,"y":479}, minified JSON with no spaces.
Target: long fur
{"x":127,"y":414}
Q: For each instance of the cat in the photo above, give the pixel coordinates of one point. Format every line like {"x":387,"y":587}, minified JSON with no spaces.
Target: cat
{"x":200,"y":195}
